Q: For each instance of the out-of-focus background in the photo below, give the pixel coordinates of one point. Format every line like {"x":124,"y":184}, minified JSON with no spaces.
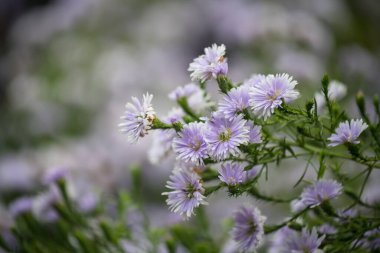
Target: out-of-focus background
{"x":67,"y":68}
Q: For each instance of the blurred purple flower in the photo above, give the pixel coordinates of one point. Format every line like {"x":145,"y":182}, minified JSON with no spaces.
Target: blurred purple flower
{"x":231,"y":173}
{"x":254,"y":80}
{"x":347,"y":132}
{"x":321,"y":191}
{"x":184,"y":91}
{"x":210,"y":64}
{"x":250,"y":174}
{"x":306,"y":242}
{"x":20,"y":206}
{"x":55,"y":174}
{"x":371,"y":240}
{"x":279,"y":238}
{"x":248,"y":230}
{"x":187,"y":192}
{"x":254,"y":133}
{"x":190,"y":145}
{"x":138,"y":118}
{"x":234,"y":102}
{"x":268,"y":94}
{"x":327,"y":229}
{"x":224,"y":136}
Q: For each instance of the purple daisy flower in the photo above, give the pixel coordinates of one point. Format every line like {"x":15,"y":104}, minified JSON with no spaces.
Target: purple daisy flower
{"x":231,"y":173}
{"x":20,"y":206}
{"x":249,"y":227}
{"x":327,"y":229}
{"x":279,"y":238}
{"x":254,"y":133}
{"x":268,"y":94}
{"x":253,"y":80}
{"x":347,"y":132}
{"x":224,"y":136}
{"x":321,"y":191}
{"x":187,"y":192}
{"x":210,"y":64}
{"x":138,"y":118}
{"x":184,"y":91}
{"x":371,"y":239}
{"x":190,"y":145}
{"x":234,"y":102}
{"x":250,"y":174}
{"x":55,"y":174}
{"x":306,"y":242}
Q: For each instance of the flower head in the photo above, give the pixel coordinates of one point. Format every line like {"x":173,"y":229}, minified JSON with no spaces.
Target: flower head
{"x":231,"y":173}
{"x":190,"y":145}
{"x":306,"y":242}
{"x":268,"y":93}
{"x":187,"y":192}
{"x":55,"y":174}
{"x":254,"y":80}
{"x":234,"y":102}
{"x":138,"y":118}
{"x":224,"y":136}
{"x":183,"y":91}
{"x":20,"y":206}
{"x":210,"y":64}
{"x":321,"y":191}
{"x":254,"y":133}
{"x":347,"y":132}
{"x":251,"y":174}
{"x":249,"y":227}
{"x":327,"y":229}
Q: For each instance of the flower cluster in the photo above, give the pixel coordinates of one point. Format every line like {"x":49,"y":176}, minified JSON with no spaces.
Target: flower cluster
{"x":230,"y":143}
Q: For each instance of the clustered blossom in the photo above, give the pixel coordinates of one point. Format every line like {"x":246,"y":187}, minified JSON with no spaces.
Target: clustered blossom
{"x":187,"y":192}
{"x":183,"y":91}
{"x":347,"y":131}
{"x":321,"y":191}
{"x":210,"y":64}
{"x":225,"y":136}
{"x":248,"y":230}
{"x":231,"y":173}
{"x":190,"y":146}
{"x":267,"y":94}
{"x":138,"y":118}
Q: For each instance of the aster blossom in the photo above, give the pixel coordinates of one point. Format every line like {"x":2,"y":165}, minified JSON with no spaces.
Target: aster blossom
{"x":187,"y":192}
{"x":190,"y":146}
{"x":231,"y":173}
{"x":304,"y":242}
{"x":210,"y":64}
{"x":269,"y":93}
{"x":224,"y":136}
{"x":234,"y":102}
{"x":347,"y":131}
{"x":138,"y":118}
{"x":254,"y":133}
{"x":248,"y":230}
{"x":184,"y":91}
{"x":320,"y":191}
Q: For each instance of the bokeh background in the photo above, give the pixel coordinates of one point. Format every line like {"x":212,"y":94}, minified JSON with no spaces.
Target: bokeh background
{"x":67,"y":68}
